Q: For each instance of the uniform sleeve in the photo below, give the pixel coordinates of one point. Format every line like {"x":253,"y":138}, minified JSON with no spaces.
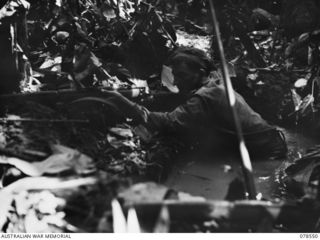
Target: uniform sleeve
{"x":188,"y":115}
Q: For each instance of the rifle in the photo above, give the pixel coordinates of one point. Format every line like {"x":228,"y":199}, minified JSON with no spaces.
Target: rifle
{"x":156,"y":101}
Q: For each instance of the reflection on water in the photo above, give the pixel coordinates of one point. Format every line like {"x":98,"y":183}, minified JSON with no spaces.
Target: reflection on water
{"x":210,"y":176}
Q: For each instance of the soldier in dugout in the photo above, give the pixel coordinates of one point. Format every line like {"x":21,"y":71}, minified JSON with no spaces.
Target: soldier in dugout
{"x":205,"y":120}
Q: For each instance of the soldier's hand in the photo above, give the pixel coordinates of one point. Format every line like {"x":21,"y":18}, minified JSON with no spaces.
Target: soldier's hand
{"x":127,"y":107}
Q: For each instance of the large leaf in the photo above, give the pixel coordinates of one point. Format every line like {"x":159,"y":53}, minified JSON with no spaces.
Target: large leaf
{"x":301,"y":170}
{"x":8,"y":193}
{"x":167,"y":79}
{"x":122,"y":132}
{"x":34,"y":225}
{"x":40,"y":210}
{"x":121,"y":137}
{"x":51,"y":62}
{"x":108,"y":12}
{"x":118,"y":143}
{"x":61,"y":160}
{"x":5,"y":207}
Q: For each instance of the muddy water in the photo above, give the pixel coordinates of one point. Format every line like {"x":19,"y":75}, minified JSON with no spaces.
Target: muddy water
{"x":210,"y":176}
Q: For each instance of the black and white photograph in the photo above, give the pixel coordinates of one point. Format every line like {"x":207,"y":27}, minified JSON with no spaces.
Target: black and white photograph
{"x":159,"y":116}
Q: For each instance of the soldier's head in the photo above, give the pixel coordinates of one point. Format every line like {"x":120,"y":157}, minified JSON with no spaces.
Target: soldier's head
{"x":190,"y":68}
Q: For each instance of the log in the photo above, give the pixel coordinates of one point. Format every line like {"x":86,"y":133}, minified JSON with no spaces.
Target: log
{"x":244,"y":214}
